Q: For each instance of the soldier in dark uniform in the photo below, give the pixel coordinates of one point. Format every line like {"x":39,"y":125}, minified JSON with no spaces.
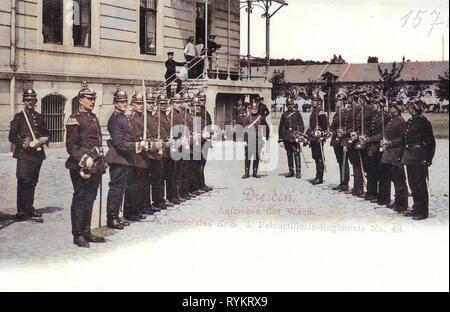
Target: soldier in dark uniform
{"x":263,"y":110}
{"x":240,"y":112}
{"x":136,"y":204}
{"x":168,"y":164}
{"x":350,"y":141}
{"x":29,"y":134}
{"x":207,"y":132}
{"x":155,"y":155}
{"x":393,"y":169}
{"x":252,"y":137}
{"x":338,"y":126}
{"x":171,"y":74}
{"x":420,"y":147}
{"x":179,"y":135}
{"x":188,"y":184}
{"x":378,"y":188}
{"x":318,"y":125}
{"x":291,"y":122}
{"x":86,"y":164}
{"x":120,"y":155}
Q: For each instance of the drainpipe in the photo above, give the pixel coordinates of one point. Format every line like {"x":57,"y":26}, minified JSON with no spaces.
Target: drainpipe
{"x":12,"y":63}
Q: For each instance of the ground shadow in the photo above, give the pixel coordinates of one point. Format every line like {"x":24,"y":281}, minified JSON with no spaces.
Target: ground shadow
{"x":6,"y":219}
{"x":49,"y":210}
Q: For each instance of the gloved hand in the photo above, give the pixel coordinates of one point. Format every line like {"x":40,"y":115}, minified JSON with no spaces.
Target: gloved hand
{"x":34,"y":144}
{"x":42,"y":140}
{"x":281,"y":144}
{"x":426,"y":163}
{"x":89,"y":162}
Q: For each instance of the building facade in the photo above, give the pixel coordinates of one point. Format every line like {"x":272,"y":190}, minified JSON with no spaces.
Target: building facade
{"x":55,"y":45}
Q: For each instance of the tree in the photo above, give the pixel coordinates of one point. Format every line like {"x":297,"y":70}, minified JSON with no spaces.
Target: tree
{"x":337,"y":60}
{"x":279,"y":83}
{"x":416,"y":88}
{"x":443,"y":86}
{"x":390,"y":79}
{"x":372,"y":59}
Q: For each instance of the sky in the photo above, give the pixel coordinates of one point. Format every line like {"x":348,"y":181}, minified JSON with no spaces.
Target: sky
{"x":317,"y":29}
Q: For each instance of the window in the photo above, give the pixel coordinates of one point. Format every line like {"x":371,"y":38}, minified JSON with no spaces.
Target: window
{"x":82,"y":23}
{"x":53,"y":113}
{"x":52,"y":21}
{"x":148,"y":27}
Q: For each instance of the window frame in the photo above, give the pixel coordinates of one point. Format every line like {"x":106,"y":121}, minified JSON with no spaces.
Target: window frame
{"x":90,"y":25}
{"x":61,"y":24}
{"x":143,"y":11}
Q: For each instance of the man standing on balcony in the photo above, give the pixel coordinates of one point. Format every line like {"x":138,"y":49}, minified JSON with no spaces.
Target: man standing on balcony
{"x":29,"y":134}
{"x":172,"y":75}
{"x":190,"y":54}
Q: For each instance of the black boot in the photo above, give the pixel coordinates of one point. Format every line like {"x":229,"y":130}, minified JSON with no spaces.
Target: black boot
{"x":80,"y":241}
{"x":92,"y":238}
{"x":114,"y":223}
{"x":298,"y":166}
{"x":291,"y":166}
{"x":319,"y":172}
{"x":246,"y":174}
{"x":290,"y":174}
{"x":255,"y":169}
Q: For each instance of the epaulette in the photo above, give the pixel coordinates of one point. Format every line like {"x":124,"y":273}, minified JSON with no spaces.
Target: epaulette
{"x":72,"y":121}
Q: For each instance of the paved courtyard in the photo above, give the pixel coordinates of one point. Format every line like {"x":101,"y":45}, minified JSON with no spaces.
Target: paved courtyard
{"x":258,"y":234}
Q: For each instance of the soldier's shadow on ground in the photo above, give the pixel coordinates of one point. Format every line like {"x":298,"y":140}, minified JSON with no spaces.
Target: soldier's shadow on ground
{"x":49,"y":210}
{"x":8,"y":219}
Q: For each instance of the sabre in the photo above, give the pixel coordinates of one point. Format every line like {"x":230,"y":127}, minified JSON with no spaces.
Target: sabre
{"x":100,"y":202}
{"x":323,"y":156}
{"x":144,"y":94}
{"x":159,"y":128}
{"x":31,"y":129}
{"x":362,"y":170}
{"x":343,"y":165}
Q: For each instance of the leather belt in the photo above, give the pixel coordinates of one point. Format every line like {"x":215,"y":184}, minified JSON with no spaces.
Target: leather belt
{"x":413,"y":146}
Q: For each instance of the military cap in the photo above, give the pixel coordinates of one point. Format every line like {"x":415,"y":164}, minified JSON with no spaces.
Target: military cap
{"x":87,"y":92}
{"x":29,"y":94}
{"x":120,"y":95}
{"x":162,"y":99}
{"x":137,"y":98}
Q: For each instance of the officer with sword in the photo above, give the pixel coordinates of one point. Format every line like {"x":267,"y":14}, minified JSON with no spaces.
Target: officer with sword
{"x":339,"y":126}
{"x":318,"y":127}
{"x":86,"y":164}
{"x":291,"y":123}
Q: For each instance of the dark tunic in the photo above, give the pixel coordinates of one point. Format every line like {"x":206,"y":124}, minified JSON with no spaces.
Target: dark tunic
{"x":290,"y":122}
{"x":419,"y":141}
{"x":395,"y":133}
{"x":121,"y":146}
{"x":83,"y":134}
{"x":374,"y":131}
{"x":19,"y":133}
{"x":137,"y":135}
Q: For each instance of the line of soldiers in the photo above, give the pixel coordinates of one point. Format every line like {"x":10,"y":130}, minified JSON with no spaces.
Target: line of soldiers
{"x":146,"y":176}
{"x":368,"y":133}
